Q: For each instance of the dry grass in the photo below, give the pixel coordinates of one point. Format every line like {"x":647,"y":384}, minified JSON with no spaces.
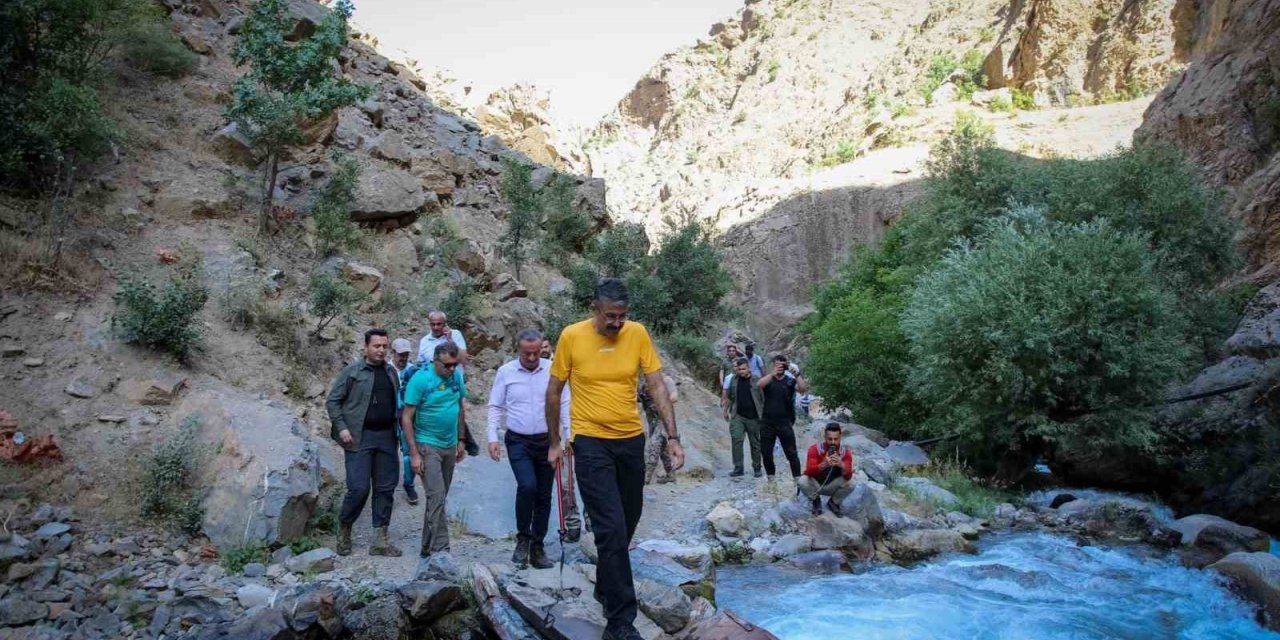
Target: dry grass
{"x":26,"y":268}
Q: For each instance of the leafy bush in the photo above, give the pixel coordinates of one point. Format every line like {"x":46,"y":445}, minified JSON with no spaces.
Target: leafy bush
{"x":561,"y":312}
{"x":620,"y":249}
{"x":941,"y":67}
{"x":688,"y":268}
{"x":166,"y":319}
{"x":461,"y":303}
{"x":335,"y":231}
{"x":303,"y":545}
{"x":331,"y":298}
{"x":845,"y":151}
{"x":167,"y":489}
{"x":1090,"y":217}
{"x":1044,"y":332}
{"x":235,"y":558}
{"x":731,"y":553}
{"x":694,"y":350}
{"x":1023,"y":100}
{"x":566,"y":230}
{"x":155,"y":48}
{"x":1000,"y":103}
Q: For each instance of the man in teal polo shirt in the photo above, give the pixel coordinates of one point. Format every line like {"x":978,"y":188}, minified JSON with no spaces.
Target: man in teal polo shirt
{"x":433,"y":420}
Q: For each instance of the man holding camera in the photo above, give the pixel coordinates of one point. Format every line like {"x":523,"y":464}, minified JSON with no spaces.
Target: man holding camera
{"x":779,"y":388}
{"x":828,"y":471}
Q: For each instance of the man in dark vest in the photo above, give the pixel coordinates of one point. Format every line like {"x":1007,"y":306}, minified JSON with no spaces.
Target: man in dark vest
{"x":743,"y":407}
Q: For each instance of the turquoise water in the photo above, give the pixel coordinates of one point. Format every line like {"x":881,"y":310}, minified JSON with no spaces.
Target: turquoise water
{"x":1032,"y":585}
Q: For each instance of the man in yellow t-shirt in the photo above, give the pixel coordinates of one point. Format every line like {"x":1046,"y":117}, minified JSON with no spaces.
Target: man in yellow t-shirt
{"x":598,"y":358}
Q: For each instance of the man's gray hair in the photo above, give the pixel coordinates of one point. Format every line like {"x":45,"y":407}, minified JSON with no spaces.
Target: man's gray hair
{"x":528,"y":335}
{"x":437,"y":312}
{"x":445,"y":349}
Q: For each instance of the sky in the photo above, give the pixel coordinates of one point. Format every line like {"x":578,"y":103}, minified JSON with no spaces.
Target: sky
{"x":586,"y":53}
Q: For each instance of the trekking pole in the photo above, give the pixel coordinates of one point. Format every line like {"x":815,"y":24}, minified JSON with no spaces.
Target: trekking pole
{"x":548,"y":619}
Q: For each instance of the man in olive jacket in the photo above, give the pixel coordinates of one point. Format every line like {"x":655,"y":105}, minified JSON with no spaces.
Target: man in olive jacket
{"x":743,"y":408}
{"x":362,"y":413}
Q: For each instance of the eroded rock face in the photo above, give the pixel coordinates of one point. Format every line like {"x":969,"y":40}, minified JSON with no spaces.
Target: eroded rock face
{"x":265,"y":480}
{"x":1218,"y":114}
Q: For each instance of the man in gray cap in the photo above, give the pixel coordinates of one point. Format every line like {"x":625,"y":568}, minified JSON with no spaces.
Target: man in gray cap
{"x":401,"y":352}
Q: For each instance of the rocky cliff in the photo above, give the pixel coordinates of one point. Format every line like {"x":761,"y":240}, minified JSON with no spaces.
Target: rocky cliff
{"x":1224,"y":112}
{"x":741,"y":128}
{"x":179,"y":189}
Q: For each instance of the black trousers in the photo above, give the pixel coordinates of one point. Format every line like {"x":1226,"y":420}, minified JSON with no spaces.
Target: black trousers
{"x":787,"y":436}
{"x":535,"y":479}
{"x":611,"y":480}
{"x":376,"y":464}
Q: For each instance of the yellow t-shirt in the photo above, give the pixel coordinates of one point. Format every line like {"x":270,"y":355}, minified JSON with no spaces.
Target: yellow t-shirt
{"x":601,"y":373}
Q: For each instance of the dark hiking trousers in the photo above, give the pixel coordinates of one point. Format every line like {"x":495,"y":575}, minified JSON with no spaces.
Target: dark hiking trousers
{"x":535,"y":480}
{"x":611,"y":481}
{"x":782,"y":433}
{"x":376,"y":464}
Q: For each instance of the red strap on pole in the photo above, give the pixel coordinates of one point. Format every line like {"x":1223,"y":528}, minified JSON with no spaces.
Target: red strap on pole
{"x":560,"y":496}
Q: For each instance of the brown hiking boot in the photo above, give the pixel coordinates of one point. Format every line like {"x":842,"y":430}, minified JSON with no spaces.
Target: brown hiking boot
{"x":538,"y":557}
{"x":382,"y":545}
{"x":344,"y":540}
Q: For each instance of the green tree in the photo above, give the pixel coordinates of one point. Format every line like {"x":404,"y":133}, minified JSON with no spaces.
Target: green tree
{"x":1044,"y":332}
{"x":165,"y":318}
{"x":331,"y":298}
{"x":524,"y":213}
{"x":335,"y":230}
{"x":566,"y":229}
{"x":620,"y":249}
{"x":288,"y":83}
{"x":690,"y":269}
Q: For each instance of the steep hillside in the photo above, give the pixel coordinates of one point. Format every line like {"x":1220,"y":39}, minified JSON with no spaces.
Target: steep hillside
{"x":1224,"y":111}
{"x":783,"y":85}
{"x":743,"y":129}
{"x":180,"y":187}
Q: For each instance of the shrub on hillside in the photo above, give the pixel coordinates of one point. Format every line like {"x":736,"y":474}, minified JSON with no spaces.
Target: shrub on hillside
{"x":620,"y":249}
{"x":165,"y":318}
{"x":695,"y":351}
{"x":335,"y":231}
{"x":167,"y":491}
{"x":331,"y":298}
{"x":691,"y":271}
{"x":566,"y":230}
{"x":1044,"y":332}
{"x":155,"y":48}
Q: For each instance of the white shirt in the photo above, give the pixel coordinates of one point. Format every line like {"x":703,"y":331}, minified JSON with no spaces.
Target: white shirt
{"x":427,"y":347}
{"x":521,"y":396}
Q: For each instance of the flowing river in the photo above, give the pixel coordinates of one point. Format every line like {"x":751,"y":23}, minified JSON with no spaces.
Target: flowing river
{"x":1020,"y":585}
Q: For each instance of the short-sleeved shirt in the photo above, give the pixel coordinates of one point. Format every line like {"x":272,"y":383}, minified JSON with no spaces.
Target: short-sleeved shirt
{"x":437,"y":400}
{"x":427,"y":346}
{"x":757,"y":365}
{"x":601,"y":373}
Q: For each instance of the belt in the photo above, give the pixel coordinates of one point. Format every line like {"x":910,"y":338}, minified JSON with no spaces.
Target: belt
{"x":530,"y":437}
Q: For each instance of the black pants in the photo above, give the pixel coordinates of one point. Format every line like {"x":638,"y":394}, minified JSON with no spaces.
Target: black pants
{"x":611,"y":481}
{"x":784,"y":434}
{"x":376,"y":462}
{"x":535,"y":479}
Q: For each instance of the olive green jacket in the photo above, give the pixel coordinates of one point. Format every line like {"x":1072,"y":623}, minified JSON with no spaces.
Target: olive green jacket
{"x":348,"y":399}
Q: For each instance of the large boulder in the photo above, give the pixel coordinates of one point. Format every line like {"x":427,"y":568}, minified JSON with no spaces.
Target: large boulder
{"x":1258,"y":334}
{"x":925,"y":490}
{"x":830,"y":531}
{"x":1116,"y":518}
{"x":265,"y":480}
{"x":726,"y":625}
{"x":385,"y":192}
{"x":574,"y":613}
{"x":863,"y":507}
{"x":428,"y":600}
{"x":906,"y":455}
{"x":921,"y":544}
{"x":1209,"y":538}
{"x":727,"y":521}
{"x":1256,"y":576}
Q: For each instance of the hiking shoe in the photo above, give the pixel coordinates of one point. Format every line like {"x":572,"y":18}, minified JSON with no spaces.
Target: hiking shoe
{"x":737,"y":473}
{"x":834,"y":507}
{"x":411,"y":493}
{"x":344,"y":540}
{"x":757,"y":473}
{"x":538,"y":557}
{"x":667,"y":479}
{"x":382,"y":545}
{"x":621,"y":632}
{"x":521,"y":555}
{"x":817,"y":506}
